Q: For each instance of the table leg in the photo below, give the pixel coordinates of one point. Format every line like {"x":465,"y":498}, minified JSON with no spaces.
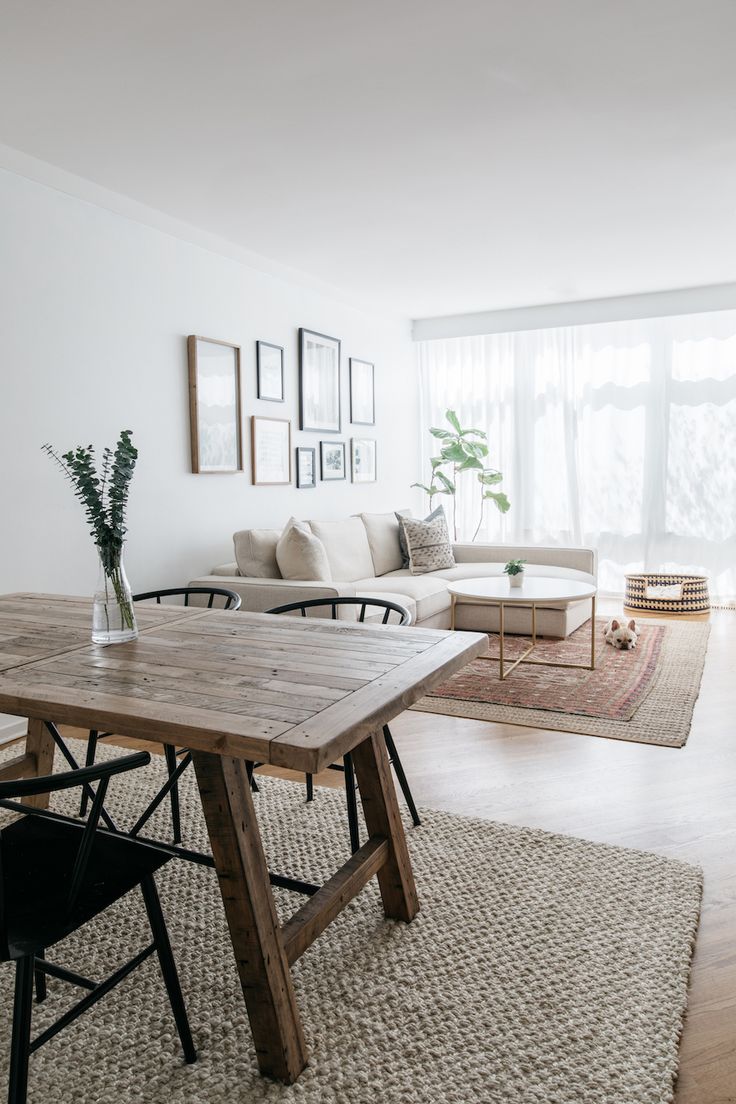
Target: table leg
{"x":500,"y":642}
{"x":251,"y":915}
{"x":592,"y":633}
{"x":453,"y":600}
{"x":383,"y":819}
{"x":40,"y":745}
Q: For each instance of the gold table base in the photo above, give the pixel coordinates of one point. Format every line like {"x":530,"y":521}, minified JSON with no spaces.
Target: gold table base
{"x":503,"y":673}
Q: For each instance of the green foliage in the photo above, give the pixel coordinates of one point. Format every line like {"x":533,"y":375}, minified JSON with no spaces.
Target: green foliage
{"x":514,"y":567}
{"x":103,"y":494}
{"x":463,"y":450}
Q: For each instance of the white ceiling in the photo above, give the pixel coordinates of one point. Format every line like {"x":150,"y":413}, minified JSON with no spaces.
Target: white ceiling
{"x":426,"y":156}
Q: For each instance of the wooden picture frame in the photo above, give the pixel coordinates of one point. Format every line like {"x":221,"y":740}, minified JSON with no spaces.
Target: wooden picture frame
{"x":306,"y":468}
{"x":270,"y":441}
{"x":362,"y":392}
{"x":319,"y":382}
{"x":332,"y":460}
{"x":214,"y":405}
{"x":363,"y":459}
{"x":269,"y":372}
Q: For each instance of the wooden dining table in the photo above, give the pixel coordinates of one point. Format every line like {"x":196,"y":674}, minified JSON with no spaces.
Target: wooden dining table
{"x":237,"y":688}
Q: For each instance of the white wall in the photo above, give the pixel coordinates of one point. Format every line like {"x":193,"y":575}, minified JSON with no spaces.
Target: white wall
{"x":94,"y":313}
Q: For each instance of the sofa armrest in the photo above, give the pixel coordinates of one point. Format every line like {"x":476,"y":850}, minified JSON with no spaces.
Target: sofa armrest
{"x":259,"y":595}
{"x":226,"y":569}
{"x":579,"y":559}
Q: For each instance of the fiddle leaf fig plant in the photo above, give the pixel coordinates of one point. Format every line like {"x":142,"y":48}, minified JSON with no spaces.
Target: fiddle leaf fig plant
{"x":463,"y":450}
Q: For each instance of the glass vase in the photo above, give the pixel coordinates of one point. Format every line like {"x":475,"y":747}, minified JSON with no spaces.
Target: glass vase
{"x":113,"y":613}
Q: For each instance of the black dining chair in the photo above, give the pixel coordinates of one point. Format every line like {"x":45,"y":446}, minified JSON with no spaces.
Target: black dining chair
{"x":231,"y":601}
{"x":404,"y":618}
{"x":56,"y":874}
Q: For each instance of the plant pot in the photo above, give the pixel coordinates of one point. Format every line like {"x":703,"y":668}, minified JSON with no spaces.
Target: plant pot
{"x":113,"y":613}
{"x":517,"y":580}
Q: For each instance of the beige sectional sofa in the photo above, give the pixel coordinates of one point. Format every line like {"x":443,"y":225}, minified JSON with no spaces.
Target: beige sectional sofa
{"x":365,"y":559}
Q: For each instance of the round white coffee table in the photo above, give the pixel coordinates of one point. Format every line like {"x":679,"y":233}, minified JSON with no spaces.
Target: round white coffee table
{"x":533,"y":591}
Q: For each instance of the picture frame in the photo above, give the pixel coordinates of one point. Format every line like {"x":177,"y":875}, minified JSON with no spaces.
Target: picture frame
{"x":306,"y":467}
{"x":270,"y":451}
{"x":319,"y":382}
{"x":332,"y":460}
{"x":214,"y":405}
{"x":362,"y":392}
{"x":363,"y":459}
{"x":269,"y":372}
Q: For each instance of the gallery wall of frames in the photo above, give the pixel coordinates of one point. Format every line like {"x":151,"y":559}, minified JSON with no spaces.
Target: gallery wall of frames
{"x":332,"y":439}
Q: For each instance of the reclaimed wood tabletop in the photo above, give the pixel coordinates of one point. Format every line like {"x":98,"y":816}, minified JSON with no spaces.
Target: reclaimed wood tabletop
{"x":235,"y":688}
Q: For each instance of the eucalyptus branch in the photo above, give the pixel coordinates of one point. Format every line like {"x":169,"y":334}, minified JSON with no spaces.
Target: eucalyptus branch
{"x":104,"y":497}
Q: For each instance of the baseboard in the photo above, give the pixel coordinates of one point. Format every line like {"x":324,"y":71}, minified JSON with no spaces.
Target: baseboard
{"x":11,"y":728}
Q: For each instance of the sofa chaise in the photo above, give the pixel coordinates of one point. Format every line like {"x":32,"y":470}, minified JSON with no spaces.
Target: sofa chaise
{"x":365,"y":558}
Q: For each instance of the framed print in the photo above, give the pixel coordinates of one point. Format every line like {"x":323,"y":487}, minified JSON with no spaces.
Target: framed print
{"x":306,"y":467}
{"x":362,"y":392}
{"x":271,"y":450}
{"x":269,"y":371}
{"x":319,"y":382}
{"x":363,"y":459}
{"x":332,"y":459}
{"x":214,"y":405}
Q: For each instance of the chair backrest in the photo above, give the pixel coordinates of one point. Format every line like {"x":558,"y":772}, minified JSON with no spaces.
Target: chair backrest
{"x":232,"y":600}
{"x":404,"y":617}
{"x":51,"y":783}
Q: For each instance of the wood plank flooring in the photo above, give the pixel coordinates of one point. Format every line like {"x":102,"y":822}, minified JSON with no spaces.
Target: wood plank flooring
{"x":677,"y":802}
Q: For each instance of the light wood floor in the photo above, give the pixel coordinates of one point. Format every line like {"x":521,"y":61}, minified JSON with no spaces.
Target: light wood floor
{"x":676,"y":802}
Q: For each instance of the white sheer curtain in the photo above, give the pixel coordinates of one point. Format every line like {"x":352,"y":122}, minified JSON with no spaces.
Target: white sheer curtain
{"x":621,"y":436}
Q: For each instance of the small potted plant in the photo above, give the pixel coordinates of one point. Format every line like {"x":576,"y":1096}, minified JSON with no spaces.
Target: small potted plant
{"x":515,"y":571}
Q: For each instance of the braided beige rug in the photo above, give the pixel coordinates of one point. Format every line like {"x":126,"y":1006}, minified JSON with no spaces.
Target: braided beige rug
{"x":663,"y":717}
{"x":540,"y":970}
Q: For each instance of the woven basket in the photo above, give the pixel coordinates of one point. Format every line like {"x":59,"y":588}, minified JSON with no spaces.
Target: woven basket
{"x":693,"y":598}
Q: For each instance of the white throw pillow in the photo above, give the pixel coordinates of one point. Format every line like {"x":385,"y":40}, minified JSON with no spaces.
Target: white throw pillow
{"x":383,"y":539}
{"x":348,"y":551}
{"x":301,"y":555}
{"x":255,"y":553}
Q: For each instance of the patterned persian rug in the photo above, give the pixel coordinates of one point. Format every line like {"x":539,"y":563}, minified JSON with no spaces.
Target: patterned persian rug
{"x":647,"y":695}
{"x":540,"y":970}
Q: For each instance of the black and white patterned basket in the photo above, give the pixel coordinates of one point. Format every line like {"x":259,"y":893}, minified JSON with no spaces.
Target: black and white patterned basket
{"x":693,"y":594}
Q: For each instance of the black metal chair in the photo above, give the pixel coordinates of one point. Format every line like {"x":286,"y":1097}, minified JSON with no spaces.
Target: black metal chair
{"x":404,"y":618}
{"x":231,"y":601}
{"x":57,"y":874}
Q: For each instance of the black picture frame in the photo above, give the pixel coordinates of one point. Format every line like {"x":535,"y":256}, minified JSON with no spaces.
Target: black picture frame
{"x":357,"y":367}
{"x":261,"y":354}
{"x":326,"y":470}
{"x":299,"y":482}
{"x":320,"y":398}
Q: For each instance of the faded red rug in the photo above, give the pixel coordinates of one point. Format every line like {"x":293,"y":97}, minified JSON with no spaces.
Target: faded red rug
{"x":647,"y":695}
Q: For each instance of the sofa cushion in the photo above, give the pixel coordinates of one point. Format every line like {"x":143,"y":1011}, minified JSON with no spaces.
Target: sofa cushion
{"x":383,"y":531}
{"x":428,"y":543}
{"x":255,"y":553}
{"x":347,"y":548}
{"x":301,"y":555}
{"x":429,"y":595}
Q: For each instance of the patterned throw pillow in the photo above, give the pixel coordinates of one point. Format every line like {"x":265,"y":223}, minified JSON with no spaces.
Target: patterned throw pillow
{"x":439,"y":512}
{"x":428,"y":543}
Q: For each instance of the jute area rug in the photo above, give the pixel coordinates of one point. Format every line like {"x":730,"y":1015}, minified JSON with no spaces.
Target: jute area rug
{"x":647,"y":695}
{"x":540,"y":970}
